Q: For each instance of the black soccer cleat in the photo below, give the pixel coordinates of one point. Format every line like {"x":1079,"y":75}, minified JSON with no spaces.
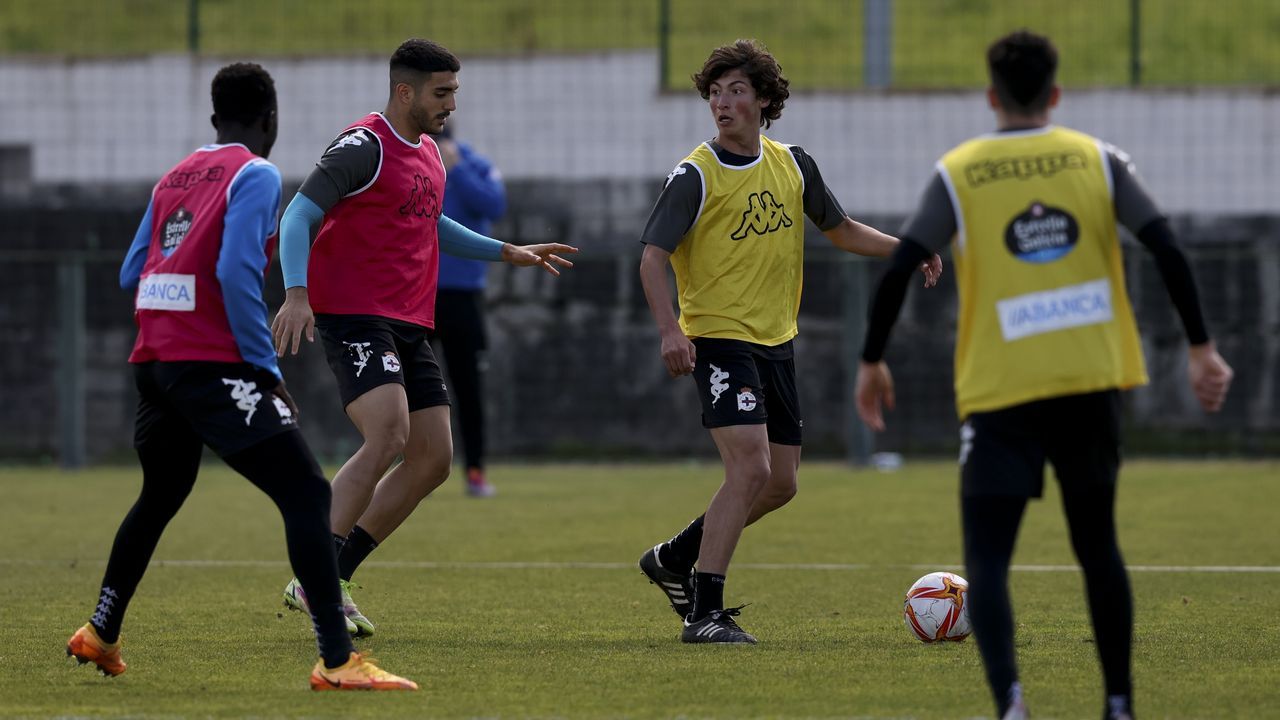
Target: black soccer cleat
{"x":717,"y":627}
{"x":678,"y":588}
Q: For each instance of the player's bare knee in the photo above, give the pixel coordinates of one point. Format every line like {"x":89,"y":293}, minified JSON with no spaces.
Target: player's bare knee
{"x":781,"y":491}
{"x":388,"y":442}
{"x":752,"y":475}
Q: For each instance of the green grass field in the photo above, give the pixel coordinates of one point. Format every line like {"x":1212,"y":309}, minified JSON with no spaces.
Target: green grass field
{"x":529,"y":605}
{"x":937,"y":43}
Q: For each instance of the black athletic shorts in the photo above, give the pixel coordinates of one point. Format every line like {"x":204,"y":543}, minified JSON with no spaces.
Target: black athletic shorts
{"x":229,"y":405}
{"x":366,"y":351}
{"x":742,"y":383}
{"x":1003,"y":452}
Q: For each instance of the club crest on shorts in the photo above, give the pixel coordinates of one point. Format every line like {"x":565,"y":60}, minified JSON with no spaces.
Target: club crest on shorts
{"x":282,"y":409}
{"x":390,"y":363}
{"x":746,"y":400}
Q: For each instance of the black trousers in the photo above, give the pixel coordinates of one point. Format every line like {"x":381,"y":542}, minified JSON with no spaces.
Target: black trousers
{"x":1003,"y":456}
{"x":460,"y":330}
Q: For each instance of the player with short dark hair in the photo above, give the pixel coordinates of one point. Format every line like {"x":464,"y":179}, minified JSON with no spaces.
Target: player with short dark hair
{"x":368,"y":285}
{"x":1046,"y":340}
{"x":207,"y":375}
{"x":729,"y":223}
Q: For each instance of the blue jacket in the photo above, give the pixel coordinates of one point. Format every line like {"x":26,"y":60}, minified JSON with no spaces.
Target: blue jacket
{"x":473,"y":196}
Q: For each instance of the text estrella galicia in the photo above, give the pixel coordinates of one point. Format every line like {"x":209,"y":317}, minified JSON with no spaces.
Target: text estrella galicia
{"x":176,"y":227}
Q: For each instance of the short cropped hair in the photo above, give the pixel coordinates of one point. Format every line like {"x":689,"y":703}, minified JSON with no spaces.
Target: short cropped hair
{"x":416,"y":58}
{"x":243,"y":93}
{"x":1023,"y":66}
{"x":760,"y":67}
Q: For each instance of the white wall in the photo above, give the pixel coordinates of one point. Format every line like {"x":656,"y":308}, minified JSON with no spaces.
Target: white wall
{"x":599,"y":116}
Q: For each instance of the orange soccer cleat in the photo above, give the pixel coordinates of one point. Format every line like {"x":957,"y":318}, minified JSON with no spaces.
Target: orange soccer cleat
{"x":359,"y":673}
{"x":86,"y":647}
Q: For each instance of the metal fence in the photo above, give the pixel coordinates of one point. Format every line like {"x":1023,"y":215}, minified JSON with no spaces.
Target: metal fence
{"x":585,"y":105}
{"x":829,"y":44}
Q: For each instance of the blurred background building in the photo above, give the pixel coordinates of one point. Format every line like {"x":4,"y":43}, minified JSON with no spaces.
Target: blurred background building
{"x":586,"y":105}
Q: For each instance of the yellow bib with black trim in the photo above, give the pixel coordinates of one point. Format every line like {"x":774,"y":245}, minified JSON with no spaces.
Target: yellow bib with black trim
{"x":739,"y":268}
{"x":1043,"y":307}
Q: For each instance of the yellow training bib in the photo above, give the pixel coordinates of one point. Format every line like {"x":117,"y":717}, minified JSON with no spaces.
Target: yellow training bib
{"x":1043,"y":307}
{"x":739,"y":268}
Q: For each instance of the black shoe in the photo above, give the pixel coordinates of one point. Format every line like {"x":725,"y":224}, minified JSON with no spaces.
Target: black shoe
{"x":717,"y":627}
{"x":678,"y":588}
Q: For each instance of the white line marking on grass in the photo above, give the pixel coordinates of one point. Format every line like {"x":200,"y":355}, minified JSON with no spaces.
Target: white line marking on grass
{"x":519,"y":565}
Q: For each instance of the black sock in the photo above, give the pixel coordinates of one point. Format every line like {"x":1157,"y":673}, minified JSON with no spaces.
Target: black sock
{"x":339,"y":541}
{"x":356,"y":548}
{"x":681,"y":552}
{"x":710,"y":594}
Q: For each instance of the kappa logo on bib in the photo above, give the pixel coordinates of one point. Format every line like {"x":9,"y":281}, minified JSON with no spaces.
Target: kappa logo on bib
{"x":167,"y":291}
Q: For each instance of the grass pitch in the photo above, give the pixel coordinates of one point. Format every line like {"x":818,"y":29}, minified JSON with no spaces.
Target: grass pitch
{"x":529,"y":605}
{"x":936,"y":43}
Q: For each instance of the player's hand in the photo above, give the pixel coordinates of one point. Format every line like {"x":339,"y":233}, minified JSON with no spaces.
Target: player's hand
{"x":546,"y":255}
{"x":293,"y":319}
{"x":932,"y":269}
{"x":678,"y":354}
{"x":873,"y":389}
{"x":281,"y":392}
{"x":1210,"y":376}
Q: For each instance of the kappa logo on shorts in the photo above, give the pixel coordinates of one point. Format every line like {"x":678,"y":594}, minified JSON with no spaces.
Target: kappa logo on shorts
{"x":246,"y":399}
{"x":718,"y":384}
{"x":361,"y":351}
{"x":746,"y":400}
{"x":390,"y":363}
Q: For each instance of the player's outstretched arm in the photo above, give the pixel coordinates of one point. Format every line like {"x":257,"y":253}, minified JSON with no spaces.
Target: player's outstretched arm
{"x":1210,"y":375}
{"x":854,"y":237}
{"x":545,"y":255}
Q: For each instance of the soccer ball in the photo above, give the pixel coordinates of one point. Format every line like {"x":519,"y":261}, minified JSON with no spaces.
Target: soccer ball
{"x":937,"y":608}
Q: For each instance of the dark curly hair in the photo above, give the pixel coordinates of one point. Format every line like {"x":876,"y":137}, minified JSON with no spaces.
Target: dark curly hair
{"x":1023,"y":65}
{"x":760,"y":67}
{"x":243,"y":93}
{"x":416,"y":58}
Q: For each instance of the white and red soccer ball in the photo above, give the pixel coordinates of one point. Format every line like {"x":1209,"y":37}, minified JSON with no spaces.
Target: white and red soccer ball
{"x":937,"y":608}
